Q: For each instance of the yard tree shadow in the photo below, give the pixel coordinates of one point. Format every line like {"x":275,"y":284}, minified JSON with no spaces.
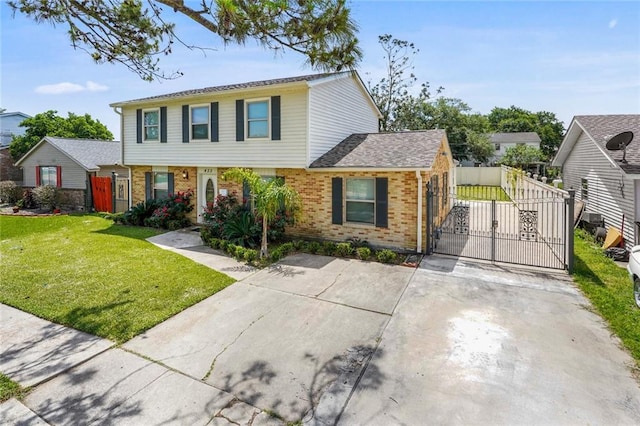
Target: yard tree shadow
{"x":330,"y":380}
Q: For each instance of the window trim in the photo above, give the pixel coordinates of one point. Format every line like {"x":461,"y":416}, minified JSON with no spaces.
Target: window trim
{"x":191,"y":123}
{"x":55,"y":174}
{"x":347,"y":200}
{"x":267,"y":118}
{"x":144,"y":125}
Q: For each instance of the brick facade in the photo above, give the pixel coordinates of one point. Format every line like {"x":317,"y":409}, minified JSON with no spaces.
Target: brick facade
{"x":7,"y":170}
{"x":315,"y":191}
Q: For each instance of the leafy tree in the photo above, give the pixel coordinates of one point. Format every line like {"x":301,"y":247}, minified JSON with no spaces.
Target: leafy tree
{"x":269,"y":197}
{"x":480,"y":147}
{"x":136,"y":32}
{"x":521,"y":156}
{"x":545,"y":124}
{"x":392,"y":93}
{"x":50,"y":124}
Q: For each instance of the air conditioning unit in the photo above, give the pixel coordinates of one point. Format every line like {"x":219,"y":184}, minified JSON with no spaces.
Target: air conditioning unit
{"x":592,"y":218}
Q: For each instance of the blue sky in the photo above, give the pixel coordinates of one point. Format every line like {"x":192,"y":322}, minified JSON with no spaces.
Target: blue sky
{"x":569,"y":58}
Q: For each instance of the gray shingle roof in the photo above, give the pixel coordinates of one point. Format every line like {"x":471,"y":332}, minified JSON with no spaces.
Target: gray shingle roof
{"x":602,"y":127}
{"x":89,"y":153}
{"x":515,"y":137}
{"x":238,"y":86}
{"x":415,"y":149}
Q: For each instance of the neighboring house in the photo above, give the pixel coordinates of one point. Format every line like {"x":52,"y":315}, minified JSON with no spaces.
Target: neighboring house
{"x":503,"y":141}
{"x":68,"y":164}
{"x":318,"y":132}
{"x":8,"y":171}
{"x":10,"y":126}
{"x":601,"y":180}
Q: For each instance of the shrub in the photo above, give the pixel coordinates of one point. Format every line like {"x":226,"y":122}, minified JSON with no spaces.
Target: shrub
{"x":358,"y":242}
{"x":172,"y":212}
{"x":276,"y":255}
{"x":364,"y":253}
{"x":344,"y":250}
{"x":9,"y":191}
{"x":328,"y":248}
{"x":286,"y":248}
{"x":299,"y":245}
{"x":137,"y":214}
{"x":314,"y":247}
{"x":242,"y":230}
{"x":28,"y":200}
{"x":216,"y":214}
{"x":47,"y":196}
{"x":250,"y":255}
{"x":386,"y":256}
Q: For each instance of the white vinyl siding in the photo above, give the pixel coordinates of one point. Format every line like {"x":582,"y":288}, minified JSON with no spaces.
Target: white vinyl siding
{"x":611,"y":193}
{"x":289,"y":152}
{"x":73,"y":176}
{"x":338,"y":108}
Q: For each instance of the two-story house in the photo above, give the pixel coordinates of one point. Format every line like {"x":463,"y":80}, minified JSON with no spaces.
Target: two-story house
{"x":318,"y":132}
{"x":503,"y":141}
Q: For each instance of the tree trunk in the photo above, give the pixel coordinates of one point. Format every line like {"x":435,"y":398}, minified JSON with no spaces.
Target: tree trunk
{"x":263,"y":246}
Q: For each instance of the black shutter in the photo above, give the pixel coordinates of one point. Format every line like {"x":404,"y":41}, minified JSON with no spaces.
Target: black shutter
{"x":185,"y":123}
{"x":275,"y":118}
{"x":336,"y":201}
{"x":148,"y":186}
{"x":163,"y":124}
{"x":215,"y":132}
{"x":382,"y":205}
{"x":138,"y":126}
{"x":240,"y":120}
{"x":170,"y":185}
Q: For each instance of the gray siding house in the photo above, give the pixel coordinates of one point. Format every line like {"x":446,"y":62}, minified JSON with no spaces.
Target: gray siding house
{"x":602,"y":181}
{"x":68,"y":164}
{"x":10,"y":126}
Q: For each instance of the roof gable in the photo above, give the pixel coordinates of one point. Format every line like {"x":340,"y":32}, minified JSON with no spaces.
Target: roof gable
{"x":89,"y":154}
{"x":599,"y":129}
{"x":400,"y":150}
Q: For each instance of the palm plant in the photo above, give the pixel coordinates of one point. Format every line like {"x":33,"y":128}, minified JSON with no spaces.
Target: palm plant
{"x":269,"y":198}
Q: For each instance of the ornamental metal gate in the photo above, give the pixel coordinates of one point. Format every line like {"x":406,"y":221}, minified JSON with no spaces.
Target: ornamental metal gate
{"x":534,"y":229}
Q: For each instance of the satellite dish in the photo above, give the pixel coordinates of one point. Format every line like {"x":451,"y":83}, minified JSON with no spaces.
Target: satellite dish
{"x":619,"y":142}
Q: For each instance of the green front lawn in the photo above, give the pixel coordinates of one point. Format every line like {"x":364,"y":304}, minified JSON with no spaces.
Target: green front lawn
{"x":481,"y":193}
{"x":85,"y":272}
{"x":608,"y":287}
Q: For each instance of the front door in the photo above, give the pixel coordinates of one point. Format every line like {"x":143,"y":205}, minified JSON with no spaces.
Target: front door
{"x":206,"y":190}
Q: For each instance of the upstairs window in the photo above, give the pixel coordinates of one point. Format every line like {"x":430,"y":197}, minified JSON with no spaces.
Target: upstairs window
{"x":151,"y":125}
{"x":200,"y":122}
{"x":258,"y":119}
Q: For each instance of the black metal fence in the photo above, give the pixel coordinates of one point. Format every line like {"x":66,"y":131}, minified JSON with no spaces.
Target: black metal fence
{"x":534,"y":229}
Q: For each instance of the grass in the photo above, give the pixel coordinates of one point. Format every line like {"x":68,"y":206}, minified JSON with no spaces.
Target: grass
{"x":9,"y":388}
{"x":481,"y":193}
{"x":608,"y":287}
{"x":87,"y":273}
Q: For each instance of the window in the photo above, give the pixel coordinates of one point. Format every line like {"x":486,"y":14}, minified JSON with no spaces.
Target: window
{"x":48,"y":175}
{"x":258,"y":119}
{"x":445,"y":188}
{"x":360,"y":200}
{"x":584,"y":184}
{"x":160,"y":185}
{"x":497,"y":147}
{"x":200,"y":122}
{"x":151,"y":125}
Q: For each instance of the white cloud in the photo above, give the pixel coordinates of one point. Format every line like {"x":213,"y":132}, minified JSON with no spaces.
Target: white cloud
{"x":613,"y":23}
{"x":66,"y":87}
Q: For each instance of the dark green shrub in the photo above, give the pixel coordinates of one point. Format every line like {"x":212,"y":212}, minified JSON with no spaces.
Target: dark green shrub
{"x":286,"y":248}
{"x":364,"y":253}
{"x":299,"y":245}
{"x":242,"y":230}
{"x":314,"y":247}
{"x":276,"y":255}
{"x":171,"y":212}
{"x":358,"y":242}
{"x":344,"y":250}
{"x":386,"y":256}
{"x":226,"y":207}
{"x":328,"y":248}
{"x":137,"y":214}
{"x":223,"y":245}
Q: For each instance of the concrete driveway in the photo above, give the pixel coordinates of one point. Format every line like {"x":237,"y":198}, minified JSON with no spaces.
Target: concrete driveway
{"x":331,"y":340}
{"x":478,"y":344}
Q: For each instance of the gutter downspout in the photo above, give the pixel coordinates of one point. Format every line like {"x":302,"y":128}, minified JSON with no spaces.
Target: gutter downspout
{"x":115,"y":109}
{"x":419,"y":221}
